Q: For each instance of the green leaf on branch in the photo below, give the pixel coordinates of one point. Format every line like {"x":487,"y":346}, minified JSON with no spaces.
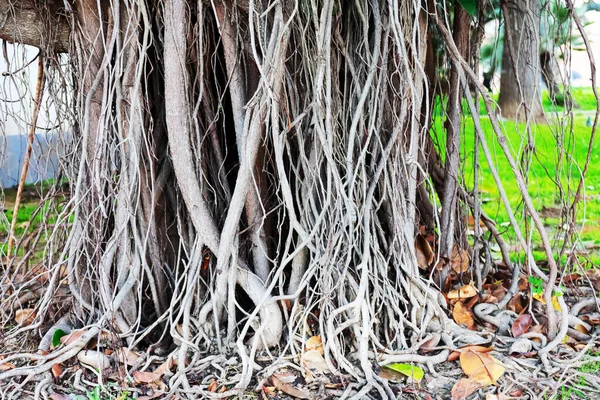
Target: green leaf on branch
{"x":59,"y":333}
{"x":469,"y":5}
{"x":411,"y":371}
{"x":537,"y":284}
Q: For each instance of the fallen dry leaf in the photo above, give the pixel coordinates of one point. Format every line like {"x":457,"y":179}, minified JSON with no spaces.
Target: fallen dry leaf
{"x":465,"y":292}
{"x":431,"y":343}
{"x":460,"y":260}
{"x":463,"y":316}
{"x":464,"y":388}
{"x":25,"y":316}
{"x":592,"y":319}
{"x":289,"y":389}
{"x":6,"y":366}
{"x":269,"y":390}
{"x":455,"y":355}
{"x":166,"y":366}
{"x":391,"y":375}
{"x":481,"y":367}
{"x":423,"y":252}
{"x":582,"y":329}
{"x":212,"y":387}
{"x":145,"y":377}
{"x":521,"y":325}
{"x":313,"y":360}
{"x":315,"y":343}
{"x":72,"y":337}
{"x":57,"y":371}
{"x":127,"y":356}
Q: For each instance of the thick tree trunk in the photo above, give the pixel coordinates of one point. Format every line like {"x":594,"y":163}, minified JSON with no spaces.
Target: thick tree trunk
{"x":520,"y":96}
{"x":37,"y":23}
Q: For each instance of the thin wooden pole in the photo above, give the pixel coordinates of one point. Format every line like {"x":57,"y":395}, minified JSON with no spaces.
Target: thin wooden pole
{"x":37,"y":101}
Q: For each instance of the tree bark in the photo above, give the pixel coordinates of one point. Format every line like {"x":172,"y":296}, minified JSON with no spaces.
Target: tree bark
{"x":39,"y":23}
{"x":452,"y":166}
{"x":520,"y":96}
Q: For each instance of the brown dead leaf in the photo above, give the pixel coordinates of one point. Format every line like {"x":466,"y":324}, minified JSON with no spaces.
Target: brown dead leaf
{"x":289,"y":389}
{"x":315,"y":343}
{"x":464,"y":388}
{"x":582,"y":329}
{"x":517,"y":303}
{"x":499,"y":292}
{"x":463,"y":316}
{"x":460,"y":260}
{"x":57,"y":371}
{"x":166,"y":366}
{"x":592,"y":319}
{"x":6,"y":365}
{"x":72,"y":337}
{"x":517,"y":393}
{"x":391,"y":375}
{"x":481,"y":367}
{"x":212,"y":387}
{"x":455,"y":355}
{"x":431,"y":343}
{"x":127,"y":356}
{"x":222,"y":389}
{"x":25,"y":316}
{"x":423,"y":252}
{"x":521,"y":325}
{"x":313,"y":360}
{"x":465,"y":292}
{"x":145,"y":377}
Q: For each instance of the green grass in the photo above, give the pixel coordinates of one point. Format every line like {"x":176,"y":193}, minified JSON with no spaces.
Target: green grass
{"x":32,"y":213}
{"x":550,"y":172}
{"x":584,"y":96}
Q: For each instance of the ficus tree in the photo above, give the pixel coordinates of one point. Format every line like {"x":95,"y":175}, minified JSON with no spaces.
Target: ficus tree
{"x":246,"y":174}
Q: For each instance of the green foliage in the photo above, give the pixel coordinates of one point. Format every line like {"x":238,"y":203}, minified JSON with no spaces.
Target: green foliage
{"x":537,"y":285}
{"x":58,"y":334}
{"x":469,"y":5}
{"x":411,"y":371}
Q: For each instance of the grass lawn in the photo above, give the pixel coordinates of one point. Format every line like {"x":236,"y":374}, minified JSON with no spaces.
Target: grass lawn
{"x":555,"y":167}
{"x":32,"y":214}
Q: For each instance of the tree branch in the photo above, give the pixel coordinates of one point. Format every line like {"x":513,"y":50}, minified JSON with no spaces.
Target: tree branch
{"x":39,"y":23}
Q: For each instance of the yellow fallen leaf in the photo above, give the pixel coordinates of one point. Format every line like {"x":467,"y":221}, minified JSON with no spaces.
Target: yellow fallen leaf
{"x":25,"y":316}
{"x":473,"y":347}
{"x":481,"y":367}
{"x":315,"y":343}
{"x":540,"y":297}
{"x":463,"y":316}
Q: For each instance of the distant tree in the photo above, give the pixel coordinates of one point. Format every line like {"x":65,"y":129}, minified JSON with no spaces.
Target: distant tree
{"x":520,"y":93}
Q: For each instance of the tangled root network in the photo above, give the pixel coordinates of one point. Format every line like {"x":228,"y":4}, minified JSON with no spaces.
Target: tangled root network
{"x":245,"y":176}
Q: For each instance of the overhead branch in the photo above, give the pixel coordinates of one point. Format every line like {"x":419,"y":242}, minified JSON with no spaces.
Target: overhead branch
{"x":39,"y":23}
